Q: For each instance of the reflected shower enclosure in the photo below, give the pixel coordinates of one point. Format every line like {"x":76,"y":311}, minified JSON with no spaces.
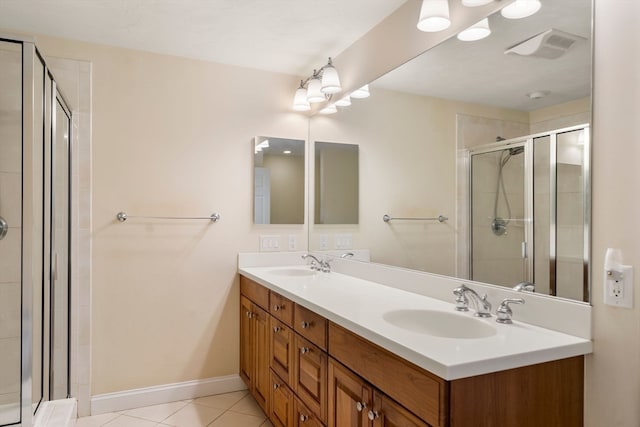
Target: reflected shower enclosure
{"x":528,"y":219}
{"x":35,"y":128}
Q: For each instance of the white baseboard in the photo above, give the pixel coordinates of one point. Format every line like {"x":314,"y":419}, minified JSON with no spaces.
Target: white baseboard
{"x":137,"y":398}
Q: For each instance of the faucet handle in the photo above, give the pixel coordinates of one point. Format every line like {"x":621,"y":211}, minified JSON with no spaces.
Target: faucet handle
{"x":504,"y":311}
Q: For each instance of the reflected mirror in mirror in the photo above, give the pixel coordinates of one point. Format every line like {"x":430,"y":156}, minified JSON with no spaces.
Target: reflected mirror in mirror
{"x":336,"y":183}
{"x":425,"y":120}
{"x":279,"y":170}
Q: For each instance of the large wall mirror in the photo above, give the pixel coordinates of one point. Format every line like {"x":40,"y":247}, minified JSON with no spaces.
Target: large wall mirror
{"x":496,"y":142}
{"x":336,"y":183}
{"x":279,"y":178}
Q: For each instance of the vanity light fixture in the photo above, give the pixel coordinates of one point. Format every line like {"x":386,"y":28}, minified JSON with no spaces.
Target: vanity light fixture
{"x":521,"y":9}
{"x":329,"y":109}
{"x":361,"y":93}
{"x":475,"y":32}
{"x":434,"y":16}
{"x":286,"y":152}
{"x":317,"y":88}
{"x":475,"y":3}
{"x":343,"y":102}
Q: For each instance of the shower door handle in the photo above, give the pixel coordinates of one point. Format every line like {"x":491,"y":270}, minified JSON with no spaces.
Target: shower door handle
{"x":54,"y":268}
{"x":525,"y":253}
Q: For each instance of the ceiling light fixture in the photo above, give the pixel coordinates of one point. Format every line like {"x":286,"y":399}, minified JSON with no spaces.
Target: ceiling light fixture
{"x":361,"y":93}
{"x":330,"y":79}
{"x":521,"y":9}
{"x":329,"y":109}
{"x":343,"y":102}
{"x":475,"y":32}
{"x":434,"y":16}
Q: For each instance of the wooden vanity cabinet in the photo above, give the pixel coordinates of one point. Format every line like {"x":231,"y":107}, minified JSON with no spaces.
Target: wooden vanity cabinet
{"x":349,"y":398}
{"x":282,"y":403}
{"x":303,"y":416}
{"x":310,"y":376}
{"x":281,"y":308}
{"x":282,"y":350}
{"x":254,"y":351}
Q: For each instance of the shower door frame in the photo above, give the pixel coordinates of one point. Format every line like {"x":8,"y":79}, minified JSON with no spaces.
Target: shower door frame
{"x":528,"y":142}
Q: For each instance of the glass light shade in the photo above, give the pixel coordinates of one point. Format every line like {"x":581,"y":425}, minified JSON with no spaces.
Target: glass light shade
{"x":521,"y":9}
{"x":329,"y":109}
{"x":434,"y":15}
{"x":314,"y":94}
{"x":343,"y":102}
{"x":477,"y":31}
{"x":475,"y":3}
{"x":330,"y":80}
{"x":363,"y":92}
{"x":300,"y":102}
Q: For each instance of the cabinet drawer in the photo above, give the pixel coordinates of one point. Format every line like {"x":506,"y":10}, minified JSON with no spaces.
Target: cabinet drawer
{"x":423,"y":393}
{"x":310,"y":376}
{"x":282,"y":348}
{"x":281,"y":413}
{"x":303,"y":416}
{"x":310,"y":325}
{"x":281,"y":308}
{"x":255,"y":292}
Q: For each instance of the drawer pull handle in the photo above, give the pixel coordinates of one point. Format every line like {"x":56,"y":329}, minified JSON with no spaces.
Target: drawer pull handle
{"x":277,"y":329}
{"x":373,"y":415}
{"x":360,"y":406}
{"x":303,"y":418}
{"x":305,"y":325}
{"x":304,"y":350}
{"x":277,"y":307}
{"x":249,"y":314}
{"x":276,"y":386}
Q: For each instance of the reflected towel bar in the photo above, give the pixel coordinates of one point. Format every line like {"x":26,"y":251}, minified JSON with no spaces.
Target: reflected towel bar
{"x":122,"y":217}
{"x":440,"y":218}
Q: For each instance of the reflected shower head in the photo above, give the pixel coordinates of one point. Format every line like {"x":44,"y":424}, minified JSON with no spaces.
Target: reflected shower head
{"x":516,"y":150}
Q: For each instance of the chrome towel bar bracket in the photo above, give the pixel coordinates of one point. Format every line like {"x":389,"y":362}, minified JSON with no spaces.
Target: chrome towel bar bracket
{"x":439,"y":218}
{"x":122,"y":217}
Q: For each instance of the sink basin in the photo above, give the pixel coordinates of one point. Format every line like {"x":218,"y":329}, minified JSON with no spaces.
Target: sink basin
{"x":440,"y":323}
{"x":293,"y":272}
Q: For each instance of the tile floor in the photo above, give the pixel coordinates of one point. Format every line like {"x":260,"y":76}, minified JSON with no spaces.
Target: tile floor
{"x":236,"y":409}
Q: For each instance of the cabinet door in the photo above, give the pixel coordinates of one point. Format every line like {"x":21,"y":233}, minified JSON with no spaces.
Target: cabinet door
{"x":281,"y":414}
{"x":246,"y":342}
{"x":387,"y":413}
{"x":282,"y":348}
{"x":261,"y":378}
{"x":310,"y":376}
{"x":349,"y":398}
{"x":303,"y":416}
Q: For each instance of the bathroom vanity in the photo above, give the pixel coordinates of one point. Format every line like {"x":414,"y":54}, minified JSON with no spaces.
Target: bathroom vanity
{"x":316,"y":350}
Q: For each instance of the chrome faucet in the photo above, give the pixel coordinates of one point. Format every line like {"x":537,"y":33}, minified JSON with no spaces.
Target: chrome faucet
{"x":525,"y":286}
{"x":347,"y":255}
{"x":480,"y":303}
{"x":504,"y":312}
{"x":318,"y":265}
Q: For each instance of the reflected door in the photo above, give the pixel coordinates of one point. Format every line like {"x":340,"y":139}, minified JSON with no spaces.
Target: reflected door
{"x":498,"y":226}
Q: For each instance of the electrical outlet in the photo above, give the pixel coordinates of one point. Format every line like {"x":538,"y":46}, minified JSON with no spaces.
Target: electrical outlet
{"x":618,"y":286}
{"x":292,"y":242}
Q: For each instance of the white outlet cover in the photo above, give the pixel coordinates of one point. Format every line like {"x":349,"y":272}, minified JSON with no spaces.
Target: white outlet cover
{"x":619,"y":293}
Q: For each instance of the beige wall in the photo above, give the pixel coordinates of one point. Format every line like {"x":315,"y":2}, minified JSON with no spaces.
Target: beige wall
{"x":613,"y":371}
{"x":171,"y":137}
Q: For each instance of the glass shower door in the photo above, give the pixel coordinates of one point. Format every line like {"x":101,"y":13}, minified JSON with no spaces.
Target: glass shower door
{"x":10,"y":230}
{"x":498,"y":226}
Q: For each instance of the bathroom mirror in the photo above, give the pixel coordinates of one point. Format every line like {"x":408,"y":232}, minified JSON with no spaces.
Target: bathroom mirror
{"x":278,"y":191}
{"x":424,"y":120}
{"x":336,"y":183}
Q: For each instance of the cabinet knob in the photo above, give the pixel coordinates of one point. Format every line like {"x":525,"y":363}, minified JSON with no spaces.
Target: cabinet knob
{"x":304,"y":350}
{"x":276,"y":386}
{"x":373,"y":415}
{"x":277,"y":329}
{"x":303,"y":418}
{"x":305,"y":325}
{"x":277,"y":307}
{"x":360,"y":406}
{"x":249,"y":314}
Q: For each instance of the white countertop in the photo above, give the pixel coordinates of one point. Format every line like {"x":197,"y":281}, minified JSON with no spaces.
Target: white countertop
{"x":359,"y":305}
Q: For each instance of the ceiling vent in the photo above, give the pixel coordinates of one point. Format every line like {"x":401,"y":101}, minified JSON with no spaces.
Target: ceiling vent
{"x":550,"y":44}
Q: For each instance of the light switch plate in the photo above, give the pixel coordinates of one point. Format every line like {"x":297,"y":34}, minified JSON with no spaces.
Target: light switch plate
{"x":269,"y":243}
{"x":324,"y":242}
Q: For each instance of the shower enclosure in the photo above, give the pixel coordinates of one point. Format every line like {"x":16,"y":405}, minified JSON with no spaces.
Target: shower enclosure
{"x":529,"y":212}
{"x":35,"y":126}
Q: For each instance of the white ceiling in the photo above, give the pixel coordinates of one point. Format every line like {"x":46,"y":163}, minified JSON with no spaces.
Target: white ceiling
{"x":288,"y":36}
